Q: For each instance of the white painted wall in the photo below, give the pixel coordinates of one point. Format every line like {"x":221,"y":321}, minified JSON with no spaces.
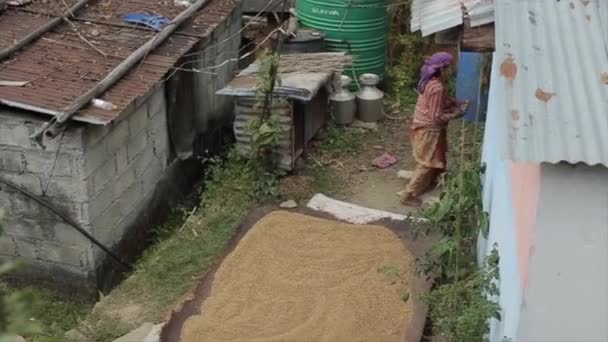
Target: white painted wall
{"x":567,"y":294}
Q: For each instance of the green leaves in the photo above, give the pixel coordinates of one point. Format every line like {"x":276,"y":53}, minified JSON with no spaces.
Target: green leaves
{"x":461,"y":304}
{"x":460,"y":310}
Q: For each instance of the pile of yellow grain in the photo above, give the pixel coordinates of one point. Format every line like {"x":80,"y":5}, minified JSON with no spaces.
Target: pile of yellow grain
{"x":294,"y":277}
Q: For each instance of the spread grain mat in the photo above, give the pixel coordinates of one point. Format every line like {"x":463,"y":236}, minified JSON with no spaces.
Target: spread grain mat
{"x":294,"y":277}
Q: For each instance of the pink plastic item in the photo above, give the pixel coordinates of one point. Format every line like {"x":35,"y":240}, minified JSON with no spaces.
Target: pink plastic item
{"x":384,"y":161}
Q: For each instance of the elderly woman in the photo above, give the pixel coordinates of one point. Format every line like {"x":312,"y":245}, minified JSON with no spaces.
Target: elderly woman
{"x":434,"y":109}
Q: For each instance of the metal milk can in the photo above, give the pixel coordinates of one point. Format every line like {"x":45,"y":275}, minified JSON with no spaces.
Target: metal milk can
{"x":342,"y":102}
{"x":370,"y":100}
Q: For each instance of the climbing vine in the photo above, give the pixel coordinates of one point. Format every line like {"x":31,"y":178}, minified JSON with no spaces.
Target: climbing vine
{"x":265,"y":129}
{"x":462,"y":302}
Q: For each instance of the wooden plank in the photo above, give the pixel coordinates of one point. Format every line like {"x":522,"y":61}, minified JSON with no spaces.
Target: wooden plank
{"x":478,"y":39}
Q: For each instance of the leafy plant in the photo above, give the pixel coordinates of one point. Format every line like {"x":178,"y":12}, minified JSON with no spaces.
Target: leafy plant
{"x":341,"y":140}
{"x":460,"y":310}
{"x":407,"y":53}
{"x":265,"y":129}
{"x":459,"y":217}
{"x":15,"y":308}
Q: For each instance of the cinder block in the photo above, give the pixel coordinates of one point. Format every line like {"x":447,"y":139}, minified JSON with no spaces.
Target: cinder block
{"x":27,"y":181}
{"x":12,"y":160}
{"x":138,"y":120}
{"x":27,"y":248}
{"x":63,"y":188}
{"x":95,"y":156}
{"x":71,"y":138}
{"x":73,"y":210}
{"x":136,"y":144}
{"x":144,"y":159}
{"x":157,"y":103}
{"x":14,"y":133}
{"x":66,"y":234}
{"x":122,"y":159}
{"x":123,"y":182}
{"x":102,"y":201}
{"x":61,"y":254}
{"x":131,"y":198}
{"x":22,"y":205}
{"x":105,"y":224}
{"x":5,"y":199}
{"x":93,"y":134}
{"x":28,"y":228}
{"x":118,"y":136}
{"x":49,"y":163}
{"x":152,"y":175}
{"x":102,"y":176}
{"x":7,"y":246}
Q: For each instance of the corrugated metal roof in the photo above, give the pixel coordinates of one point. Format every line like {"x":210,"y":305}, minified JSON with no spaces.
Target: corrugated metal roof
{"x":438,"y":15}
{"x":481,"y":12}
{"x":60,"y":66}
{"x":301,"y":75}
{"x":554,"y":76}
{"x":432,"y":16}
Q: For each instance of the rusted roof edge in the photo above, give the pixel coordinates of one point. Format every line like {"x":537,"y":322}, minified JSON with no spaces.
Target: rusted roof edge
{"x":25,"y":106}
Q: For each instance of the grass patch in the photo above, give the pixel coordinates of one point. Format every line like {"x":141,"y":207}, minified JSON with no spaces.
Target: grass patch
{"x":185,"y":250}
{"x":324,"y":180}
{"x":54,"y":313}
{"x":341,"y":140}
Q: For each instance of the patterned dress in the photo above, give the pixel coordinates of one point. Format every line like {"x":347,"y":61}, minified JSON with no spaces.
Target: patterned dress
{"x":434,"y":109}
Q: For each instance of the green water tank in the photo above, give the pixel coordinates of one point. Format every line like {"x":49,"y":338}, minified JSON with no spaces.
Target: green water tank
{"x":359,"y":27}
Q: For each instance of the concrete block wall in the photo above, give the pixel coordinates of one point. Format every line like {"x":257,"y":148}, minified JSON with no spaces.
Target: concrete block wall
{"x":100,"y":176}
{"x":115,"y":181}
{"x":123,"y":164}
{"x":223,"y":44}
{"x":55,"y":174}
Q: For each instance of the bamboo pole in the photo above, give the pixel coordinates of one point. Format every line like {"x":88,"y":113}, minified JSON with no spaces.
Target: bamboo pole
{"x":53,"y":127}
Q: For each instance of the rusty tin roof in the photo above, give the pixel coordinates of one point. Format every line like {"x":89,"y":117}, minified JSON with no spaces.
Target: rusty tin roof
{"x":553,"y":79}
{"x":60,"y":66}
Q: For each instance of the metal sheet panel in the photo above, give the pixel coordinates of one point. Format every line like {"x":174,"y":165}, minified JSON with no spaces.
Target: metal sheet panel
{"x":440,"y":15}
{"x":246,"y":111}
{"x":481,"y":12}
{"x":432,"y":16}
{"x":301,"y":75}
{"x":554,"y":77}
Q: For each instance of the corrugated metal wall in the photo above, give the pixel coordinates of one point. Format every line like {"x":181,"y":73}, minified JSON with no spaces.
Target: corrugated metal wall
{"x":497,"y":200}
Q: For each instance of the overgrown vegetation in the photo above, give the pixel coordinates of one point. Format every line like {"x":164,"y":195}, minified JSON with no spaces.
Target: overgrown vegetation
{"x":52,"y":314}
{"x":341,"y":140}
{"x":15,"y":307}
{"x":460,"y":310}
{"x":171,"y":267}
{"x":407,"y":53}
{"x":265,"y":129}
{"x":462,"y":300}
{"x":235,"y":185}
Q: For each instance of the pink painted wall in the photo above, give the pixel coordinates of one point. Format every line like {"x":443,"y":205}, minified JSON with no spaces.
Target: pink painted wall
{"x":525,"y":189}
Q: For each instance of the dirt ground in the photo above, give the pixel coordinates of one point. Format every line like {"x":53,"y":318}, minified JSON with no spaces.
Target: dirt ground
{"x":350,"y":175}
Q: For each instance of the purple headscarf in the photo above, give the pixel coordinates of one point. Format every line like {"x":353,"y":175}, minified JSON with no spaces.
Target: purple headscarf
{"x":436,"y":62}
